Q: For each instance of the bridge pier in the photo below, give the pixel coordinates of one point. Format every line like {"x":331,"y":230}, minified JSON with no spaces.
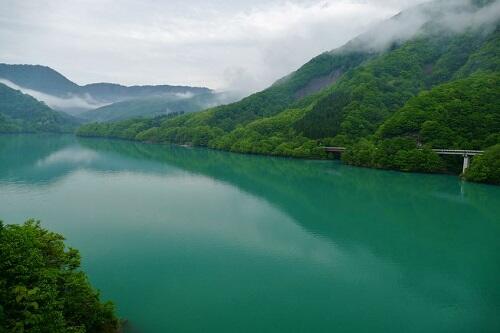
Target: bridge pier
{"x":466,"y":163}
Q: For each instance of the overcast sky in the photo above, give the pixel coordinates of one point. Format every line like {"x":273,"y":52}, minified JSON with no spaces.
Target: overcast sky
{"x":222,"y":44}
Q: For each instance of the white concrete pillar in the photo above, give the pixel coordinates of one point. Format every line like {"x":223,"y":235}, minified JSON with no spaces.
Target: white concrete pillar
{"x":466,"y":163}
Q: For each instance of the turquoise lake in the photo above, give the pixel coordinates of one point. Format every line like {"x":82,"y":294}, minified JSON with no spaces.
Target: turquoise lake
{"x":195,"y":240}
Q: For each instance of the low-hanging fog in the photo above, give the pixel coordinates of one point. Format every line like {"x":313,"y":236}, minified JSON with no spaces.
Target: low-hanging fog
{"x":447,"y":15}
{"x":222,"y":44}
{"x":71,"y":104}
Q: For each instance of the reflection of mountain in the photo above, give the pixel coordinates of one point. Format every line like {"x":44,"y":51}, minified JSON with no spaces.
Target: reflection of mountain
{"x":47,"y":158}
{"x":400,"y":218}
{"x":20,"y":154}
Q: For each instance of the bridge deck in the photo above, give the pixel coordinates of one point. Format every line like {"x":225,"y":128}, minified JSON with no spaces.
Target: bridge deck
{"x":334,"y":149}
{"x":458,"y":152}
{"x":461,"y":152}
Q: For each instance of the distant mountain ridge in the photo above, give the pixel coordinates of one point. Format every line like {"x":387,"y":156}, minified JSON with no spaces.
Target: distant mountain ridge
{"x":45,"y":83}
{"x":101,"y":102}
{"x":112,"y":92}
{"x":49,"y":81}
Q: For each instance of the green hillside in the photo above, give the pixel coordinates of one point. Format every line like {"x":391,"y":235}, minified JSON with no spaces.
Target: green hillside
{"x":441,"y":81}
{"x":22,"y":113}
{"x":462,"y":114}
{"x":358,"y":104}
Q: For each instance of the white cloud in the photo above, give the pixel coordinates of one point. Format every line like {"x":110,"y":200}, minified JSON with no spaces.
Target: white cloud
{"x":181,"y":42}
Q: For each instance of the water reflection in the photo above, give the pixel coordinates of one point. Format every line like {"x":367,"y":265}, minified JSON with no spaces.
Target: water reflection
{"x":423,"y":248}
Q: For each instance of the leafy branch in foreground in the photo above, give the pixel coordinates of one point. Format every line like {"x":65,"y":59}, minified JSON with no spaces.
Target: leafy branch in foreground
{"x":42,"y":289}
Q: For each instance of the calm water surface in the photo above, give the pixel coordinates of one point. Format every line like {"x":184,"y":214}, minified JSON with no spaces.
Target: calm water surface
{"x":193,"y":240}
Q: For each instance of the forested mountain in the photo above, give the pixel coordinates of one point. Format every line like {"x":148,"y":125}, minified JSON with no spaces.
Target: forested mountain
{"x":22,"y":113}
{"x":426,"y":78}
{"x":110,"y":92}
{"x":61,"y":94}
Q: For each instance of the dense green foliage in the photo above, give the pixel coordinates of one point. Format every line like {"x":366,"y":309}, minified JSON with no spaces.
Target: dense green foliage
{"x":22,"y":113}
{"x":463,"y":114}
{"x":400,"y":154}
{"x":272,"y":136}
{"x":125,"y":129}
{"x":438,"y":89}
{"x":485,"y":168}
{"x":42,"y":289}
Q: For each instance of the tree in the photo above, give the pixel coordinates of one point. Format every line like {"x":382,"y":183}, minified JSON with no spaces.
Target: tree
{"x":42,"y":289}
{"x":485,"y":168}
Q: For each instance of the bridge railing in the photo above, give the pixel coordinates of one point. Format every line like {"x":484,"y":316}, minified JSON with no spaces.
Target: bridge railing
{"x":437,"y":151}
{"x":458,"y":152}
{"x":334,"y":149}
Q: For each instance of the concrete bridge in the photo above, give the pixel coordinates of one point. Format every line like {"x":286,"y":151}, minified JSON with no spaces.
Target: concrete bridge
{"x":467,"y":154}
{"x":334,"y":149}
